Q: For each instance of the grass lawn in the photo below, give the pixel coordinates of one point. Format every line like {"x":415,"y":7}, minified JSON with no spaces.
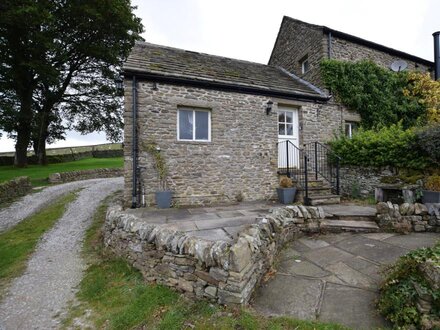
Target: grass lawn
{"x":113,"y":295}
{"x":39,"y":174}
{"x":19,"y":242}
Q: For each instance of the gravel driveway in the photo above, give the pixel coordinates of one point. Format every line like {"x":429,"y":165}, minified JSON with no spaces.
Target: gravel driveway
{"x":32,"y":203}
{"x":55,"y":269}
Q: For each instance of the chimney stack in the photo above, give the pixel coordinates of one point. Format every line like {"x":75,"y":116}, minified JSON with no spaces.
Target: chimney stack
{"x":437,"y":54}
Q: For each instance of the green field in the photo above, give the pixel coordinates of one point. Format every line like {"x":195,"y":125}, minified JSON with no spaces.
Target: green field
{"x":39,"y":174}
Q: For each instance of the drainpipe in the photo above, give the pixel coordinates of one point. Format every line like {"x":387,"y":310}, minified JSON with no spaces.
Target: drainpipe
{"x":437,"y":54}
{"x":329,"y":45}
{"x":134,"y":143}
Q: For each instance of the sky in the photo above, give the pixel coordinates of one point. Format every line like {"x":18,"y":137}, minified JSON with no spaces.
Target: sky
{"x":247,"y":29}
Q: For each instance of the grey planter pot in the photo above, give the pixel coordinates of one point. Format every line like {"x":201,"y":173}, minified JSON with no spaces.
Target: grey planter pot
{"x":286,"y":195}
{"x":163,"y":199}
{"x":430,"y":196}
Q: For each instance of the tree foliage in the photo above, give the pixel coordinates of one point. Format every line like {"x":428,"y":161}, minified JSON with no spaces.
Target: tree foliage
{"x":428,"y":139}
{"x":426,"y":92}
{"x":376,"y":93}
{"x":59,"y":61}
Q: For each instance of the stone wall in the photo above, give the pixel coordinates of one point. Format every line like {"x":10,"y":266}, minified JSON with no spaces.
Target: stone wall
{"x":222,"y":272}
{"x":241,"y":158}
{"x":408,"y":217}
{"x":363,"y":180}
{"x":349,"y":51}
{"x":296,"y":40}
{"x":85,"y":175}
{"x":14,"y":188}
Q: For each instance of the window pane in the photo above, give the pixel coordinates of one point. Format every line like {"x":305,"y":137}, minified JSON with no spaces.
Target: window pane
{"x":185,"y":125}
{"x":202,"y":125}
{"x":281,"y":117}
{"x":281,"y":129}
{"x":289,"y":129}
{"x":289,"y":116}
{"x":347,"y":130}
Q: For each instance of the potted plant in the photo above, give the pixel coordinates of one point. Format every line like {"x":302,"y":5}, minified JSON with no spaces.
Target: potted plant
{"x":431,"y":191}
{"x":163,"y":196}
{"x":287,"y":191}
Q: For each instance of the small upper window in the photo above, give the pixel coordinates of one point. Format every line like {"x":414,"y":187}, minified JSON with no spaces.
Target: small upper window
{"x":350,"y":128}
{"x":193,"y":125}
{"x":305,"y":66}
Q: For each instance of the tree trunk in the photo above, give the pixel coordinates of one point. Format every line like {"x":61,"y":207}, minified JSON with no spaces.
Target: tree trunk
{"x":42,"y":157}
{"x":24,"y":127}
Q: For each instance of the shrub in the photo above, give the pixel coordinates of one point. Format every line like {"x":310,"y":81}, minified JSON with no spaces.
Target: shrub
{"x":433,"y":183}
{"x":428,"y":139}
{"x":398,"y":293}
{"x":286,"y":182}
{"x":388,"y":146}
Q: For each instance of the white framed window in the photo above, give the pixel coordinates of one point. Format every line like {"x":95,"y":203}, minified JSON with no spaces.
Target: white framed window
{"x":305,"y":65}
{"x":193,"y":124}
{"x":350,"y":128}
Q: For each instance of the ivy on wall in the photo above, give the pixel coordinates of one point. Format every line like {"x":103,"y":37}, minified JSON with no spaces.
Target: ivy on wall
{"x":381,"y":97}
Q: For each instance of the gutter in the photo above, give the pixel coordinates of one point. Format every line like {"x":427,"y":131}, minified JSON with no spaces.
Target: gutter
{"x":224,"y":86}
{"x":134,"y":143}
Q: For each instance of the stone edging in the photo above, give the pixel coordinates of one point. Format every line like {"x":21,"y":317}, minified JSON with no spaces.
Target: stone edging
{"x":14,"y":188}
{"x":85,"y":175}
{"x":220,"y":271}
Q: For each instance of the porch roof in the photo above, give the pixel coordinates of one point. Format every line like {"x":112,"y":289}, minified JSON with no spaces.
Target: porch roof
{"x":160,"y":63}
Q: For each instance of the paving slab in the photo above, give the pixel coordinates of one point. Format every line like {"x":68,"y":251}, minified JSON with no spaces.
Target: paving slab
{"x":313,"y":243}
{"x":379,"y":236}
{"x":228,"y":222}
{"x":352,"y":307}
{"x":365,"y":267}
{"x":211,"y":235}
{"x":350,"y":276}
{"x":302,"y":268}
{"x":415,"y":240}
{"x":288,"y":295}
{"x":230,"y":214}
{"x":289,"y":253}
{"x":327,"y":256}
{"x":182,"y":226}
{"x":374,"y":250}
{"x":234,"y":230}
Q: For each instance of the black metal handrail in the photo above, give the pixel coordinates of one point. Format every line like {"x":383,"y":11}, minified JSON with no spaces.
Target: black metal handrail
{"x":324,"y":163}
{"x":294,"y":163}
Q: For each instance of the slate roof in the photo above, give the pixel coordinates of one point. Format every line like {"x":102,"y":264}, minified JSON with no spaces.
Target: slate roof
{"x":155,"y":61}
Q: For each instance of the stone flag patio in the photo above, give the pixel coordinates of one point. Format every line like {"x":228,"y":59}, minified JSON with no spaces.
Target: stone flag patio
{"x":335,"y":277}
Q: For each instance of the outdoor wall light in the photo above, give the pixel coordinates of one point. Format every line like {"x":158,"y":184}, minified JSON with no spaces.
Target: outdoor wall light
{"x":119,"y":83}
{"x":269,"y":107}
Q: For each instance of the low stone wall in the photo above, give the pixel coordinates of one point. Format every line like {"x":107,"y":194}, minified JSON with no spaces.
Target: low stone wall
{"x":408,"y":217}
{"x":219,"y":271}
{"x":14,"y":188}
{"x":85,"y":175}
{"x":363,"y":180}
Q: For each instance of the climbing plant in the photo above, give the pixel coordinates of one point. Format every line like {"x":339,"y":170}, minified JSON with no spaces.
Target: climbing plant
{"x":381,"y":97}
{"x":153,"y":149}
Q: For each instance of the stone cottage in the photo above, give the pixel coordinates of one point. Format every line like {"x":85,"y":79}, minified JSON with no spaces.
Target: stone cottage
{"x":227,"y":128}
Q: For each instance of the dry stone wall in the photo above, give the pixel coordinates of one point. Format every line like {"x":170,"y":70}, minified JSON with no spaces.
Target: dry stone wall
{"x":14,"y":188}
{"x":85,"y":175}
{"x":219,"y":271}
{"x":408,"y":217}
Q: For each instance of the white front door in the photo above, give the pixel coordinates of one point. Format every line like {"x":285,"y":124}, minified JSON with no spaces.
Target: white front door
{"x":288,"y":130}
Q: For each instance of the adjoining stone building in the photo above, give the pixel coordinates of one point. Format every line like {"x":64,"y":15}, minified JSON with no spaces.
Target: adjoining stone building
{"x":217,"y":121}
{"x":301,"y":46}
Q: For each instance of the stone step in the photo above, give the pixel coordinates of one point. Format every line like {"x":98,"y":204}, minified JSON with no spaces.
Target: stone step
{"x":324,"y":199}
{"x":352,"y":217}
{"x":349,"y":226}
{"x":317,"y":191}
